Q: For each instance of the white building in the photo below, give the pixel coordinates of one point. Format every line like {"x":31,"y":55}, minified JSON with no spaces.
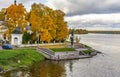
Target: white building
{"x":3,"y":29}
{"x":16,"y":37}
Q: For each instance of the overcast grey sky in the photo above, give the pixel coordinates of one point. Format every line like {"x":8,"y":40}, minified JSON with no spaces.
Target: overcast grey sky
{"x":90,"y":14}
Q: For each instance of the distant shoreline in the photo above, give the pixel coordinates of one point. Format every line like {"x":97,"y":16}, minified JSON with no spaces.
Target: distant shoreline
{"x":104,"y":32}
{"x":84,"y":31}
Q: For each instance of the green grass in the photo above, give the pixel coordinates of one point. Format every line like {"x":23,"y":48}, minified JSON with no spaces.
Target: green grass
{"x":88,"y":51}
{"x":19,"y":57}
{"x":62,"y":49}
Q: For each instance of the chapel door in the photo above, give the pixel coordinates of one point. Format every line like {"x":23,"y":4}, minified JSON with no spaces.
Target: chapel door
{"x":16,"y":41}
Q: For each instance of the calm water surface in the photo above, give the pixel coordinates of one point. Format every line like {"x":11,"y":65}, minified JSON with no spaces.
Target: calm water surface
{"x":102,"y":65}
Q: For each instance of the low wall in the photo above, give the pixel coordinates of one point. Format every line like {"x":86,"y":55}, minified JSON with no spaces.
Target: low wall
{"x":33,"y":45}
{"x":66,"y":55}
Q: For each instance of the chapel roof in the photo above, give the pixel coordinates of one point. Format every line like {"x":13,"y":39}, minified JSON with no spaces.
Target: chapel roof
{"x":17,"y":31}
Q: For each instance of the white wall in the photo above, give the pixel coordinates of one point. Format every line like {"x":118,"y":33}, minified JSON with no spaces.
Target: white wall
{"x":67,"y":55}
{"x":18,"y":36}
{"x":1,"y":37}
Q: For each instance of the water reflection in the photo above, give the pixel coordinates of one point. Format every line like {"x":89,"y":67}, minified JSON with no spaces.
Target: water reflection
{"x":43,"y":69}
{"x":71,"y":66}
{"x":20,"y":73}
{"x":48,"y":69}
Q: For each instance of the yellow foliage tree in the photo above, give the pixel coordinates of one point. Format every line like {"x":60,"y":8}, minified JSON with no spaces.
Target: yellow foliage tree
{"x":16,"y":17}
{"x":62,"y":30}
{"x":41,"y":23}
{"x":45,"y":36}
{"x":49,"y":24}
{"x":2,"y":15}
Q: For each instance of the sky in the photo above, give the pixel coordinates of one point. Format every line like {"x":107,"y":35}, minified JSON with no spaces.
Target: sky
{"x":85,"y":14}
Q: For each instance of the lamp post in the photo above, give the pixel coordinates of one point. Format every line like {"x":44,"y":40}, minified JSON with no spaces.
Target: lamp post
{"x":38,"y":40}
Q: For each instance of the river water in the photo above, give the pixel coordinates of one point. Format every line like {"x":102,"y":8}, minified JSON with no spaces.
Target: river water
{"x":102,"y":65}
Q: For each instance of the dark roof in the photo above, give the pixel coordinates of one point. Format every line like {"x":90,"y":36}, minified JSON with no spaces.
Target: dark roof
{"x":17,"y":31}
{"x":28,"y":27}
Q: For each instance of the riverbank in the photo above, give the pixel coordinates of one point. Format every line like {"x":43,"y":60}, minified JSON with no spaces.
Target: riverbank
{"x":23,"y":57}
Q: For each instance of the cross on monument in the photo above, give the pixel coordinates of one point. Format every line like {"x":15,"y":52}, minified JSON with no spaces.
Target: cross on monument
{"x":15,"y":2}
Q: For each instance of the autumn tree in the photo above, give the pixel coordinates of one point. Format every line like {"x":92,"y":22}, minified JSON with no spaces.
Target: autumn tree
{"x":2,"y":14}
{"x":62,"y":30}
{"x":48,"y":69}
{"x":34,"y":18}
{"x":53,"y":26}
{"x":48,"y":23}
{"x":41,"y":22}
{"x":16,"y":17}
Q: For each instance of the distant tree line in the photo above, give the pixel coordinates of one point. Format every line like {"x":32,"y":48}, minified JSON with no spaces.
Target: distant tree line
{"x":105,"y":32}
{"x":78,"y":31}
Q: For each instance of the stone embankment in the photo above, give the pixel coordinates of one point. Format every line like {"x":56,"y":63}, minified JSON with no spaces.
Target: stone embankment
{"x":78,"y":54}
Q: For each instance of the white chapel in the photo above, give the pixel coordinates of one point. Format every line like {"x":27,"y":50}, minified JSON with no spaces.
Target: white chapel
{"x":16,"y":37}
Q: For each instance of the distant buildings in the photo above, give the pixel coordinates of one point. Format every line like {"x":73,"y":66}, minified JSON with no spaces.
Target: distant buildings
{"x":3,"y":28}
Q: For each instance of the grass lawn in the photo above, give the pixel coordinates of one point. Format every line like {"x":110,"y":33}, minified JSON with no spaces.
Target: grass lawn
{"x":62,"y":49}
{"x":88,"y":51}
{"x":19,"y":57}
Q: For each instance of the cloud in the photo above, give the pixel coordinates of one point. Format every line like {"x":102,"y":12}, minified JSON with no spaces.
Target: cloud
{"x":90,"y":14}
{"x":5,"y":3}
{"x":26,"y":3}
{"x":94,"y":21}
{"x":95,"y":18}
{"x":77,"y":7}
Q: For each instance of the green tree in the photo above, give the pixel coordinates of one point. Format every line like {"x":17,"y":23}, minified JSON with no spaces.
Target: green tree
{"x":27,"y":37}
